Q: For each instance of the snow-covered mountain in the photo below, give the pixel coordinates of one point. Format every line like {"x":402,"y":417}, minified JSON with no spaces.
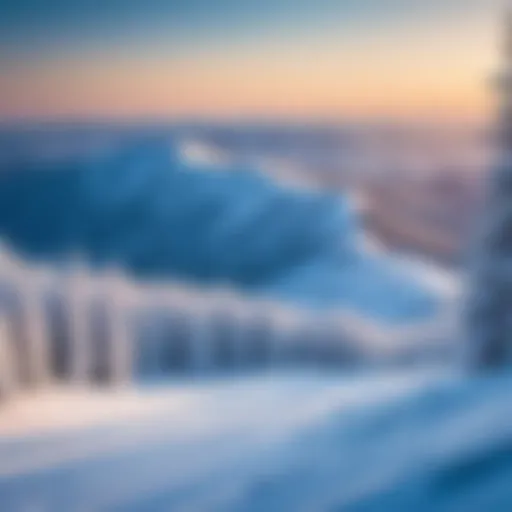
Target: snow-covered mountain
{"x":158,"y":215}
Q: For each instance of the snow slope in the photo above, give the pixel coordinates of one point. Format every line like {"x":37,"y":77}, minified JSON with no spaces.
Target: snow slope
{"x":425,"y":441}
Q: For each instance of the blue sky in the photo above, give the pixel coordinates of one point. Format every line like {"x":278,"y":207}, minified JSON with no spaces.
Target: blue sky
{"x":47,"y":39}
{"x":37,"y":26}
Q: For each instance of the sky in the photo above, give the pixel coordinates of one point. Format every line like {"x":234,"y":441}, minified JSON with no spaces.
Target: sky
{"x":218,"y":59}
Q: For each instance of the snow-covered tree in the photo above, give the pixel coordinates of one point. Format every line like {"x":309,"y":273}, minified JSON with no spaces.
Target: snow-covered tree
{"x":490,"y":308}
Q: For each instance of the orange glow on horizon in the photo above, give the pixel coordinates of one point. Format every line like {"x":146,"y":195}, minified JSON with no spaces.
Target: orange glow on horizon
{"x":395,"y":77}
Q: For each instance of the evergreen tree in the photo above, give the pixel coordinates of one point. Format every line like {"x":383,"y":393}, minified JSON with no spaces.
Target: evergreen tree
{"x":490,"y":308}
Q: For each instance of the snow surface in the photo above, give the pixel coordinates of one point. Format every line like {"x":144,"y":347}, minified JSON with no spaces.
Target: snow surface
{"x":422,"y":440}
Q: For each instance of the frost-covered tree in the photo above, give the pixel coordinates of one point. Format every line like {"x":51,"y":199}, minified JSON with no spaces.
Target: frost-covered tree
{"x":490,"y":309}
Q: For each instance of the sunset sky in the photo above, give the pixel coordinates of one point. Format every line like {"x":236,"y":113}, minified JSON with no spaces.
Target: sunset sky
{"x":336,"y":59}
